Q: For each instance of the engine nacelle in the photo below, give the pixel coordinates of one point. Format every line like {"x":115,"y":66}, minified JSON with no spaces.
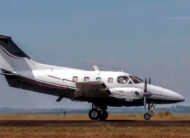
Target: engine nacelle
{"x":127,"y":93}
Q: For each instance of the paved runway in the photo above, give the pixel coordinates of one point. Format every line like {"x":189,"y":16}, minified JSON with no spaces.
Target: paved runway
{"x":89,"y":123}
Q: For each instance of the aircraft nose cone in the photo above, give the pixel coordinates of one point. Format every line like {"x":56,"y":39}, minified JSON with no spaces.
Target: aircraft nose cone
{"x":170,"y":95}
{"x":179,"y":97}
{"x":162,"y":95}
{"x":174,"y":96}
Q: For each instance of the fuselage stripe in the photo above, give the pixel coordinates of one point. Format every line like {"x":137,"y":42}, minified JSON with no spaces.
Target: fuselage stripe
{"x":9,"y":54}
{"x":59,"y":78}
{"x":54,"y":77}
{"x":45,"y":84}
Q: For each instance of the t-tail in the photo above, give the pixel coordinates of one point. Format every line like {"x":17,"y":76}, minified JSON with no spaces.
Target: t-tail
{"x":16,"y":66}
{"x":12,"y":58}
{"x":22,"y":72}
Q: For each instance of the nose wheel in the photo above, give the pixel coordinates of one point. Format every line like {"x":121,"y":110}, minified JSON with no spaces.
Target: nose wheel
{"x":148,"y":115}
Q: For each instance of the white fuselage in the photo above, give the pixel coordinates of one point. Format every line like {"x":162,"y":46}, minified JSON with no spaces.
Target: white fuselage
{"x":67,"y":77}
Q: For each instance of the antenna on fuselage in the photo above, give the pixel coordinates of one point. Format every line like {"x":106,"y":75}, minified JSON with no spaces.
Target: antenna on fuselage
{"x":96,"y":68}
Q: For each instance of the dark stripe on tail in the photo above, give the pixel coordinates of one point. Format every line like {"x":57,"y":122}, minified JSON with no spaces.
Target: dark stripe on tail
{"x":11,"y":47}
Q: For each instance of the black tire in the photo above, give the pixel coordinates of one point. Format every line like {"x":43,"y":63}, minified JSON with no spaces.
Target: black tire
{"x":103,"y":115}
{"x":94,"y":114}
{"x":147,"y":116}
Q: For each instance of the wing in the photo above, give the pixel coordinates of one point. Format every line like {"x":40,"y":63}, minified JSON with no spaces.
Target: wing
{"x":91,"y":90}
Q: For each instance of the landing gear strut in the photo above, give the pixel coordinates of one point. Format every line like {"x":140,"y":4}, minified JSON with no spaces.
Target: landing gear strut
{"x":150,"y":112}
{"x":98,"y":113}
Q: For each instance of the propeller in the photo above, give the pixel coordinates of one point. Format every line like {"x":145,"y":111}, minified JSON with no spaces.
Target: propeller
{"x":145,"y":91}
{"x":149,"y":81}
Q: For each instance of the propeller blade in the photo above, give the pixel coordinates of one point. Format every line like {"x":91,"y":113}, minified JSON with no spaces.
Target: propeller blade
{"x":145,"y":86}
{"x":145,"y":91}
{"x":149,"y":80}
{"x":144,"y":102}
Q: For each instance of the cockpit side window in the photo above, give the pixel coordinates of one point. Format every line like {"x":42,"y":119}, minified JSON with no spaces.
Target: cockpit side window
{"x":122,"y":79}
{"x":136,"y":79}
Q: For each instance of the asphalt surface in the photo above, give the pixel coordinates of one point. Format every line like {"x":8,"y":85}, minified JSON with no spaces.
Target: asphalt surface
{"x":89,"y":123}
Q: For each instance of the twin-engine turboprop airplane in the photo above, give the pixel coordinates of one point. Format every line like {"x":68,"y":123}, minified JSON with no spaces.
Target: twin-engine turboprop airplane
{"x":101,"y":88}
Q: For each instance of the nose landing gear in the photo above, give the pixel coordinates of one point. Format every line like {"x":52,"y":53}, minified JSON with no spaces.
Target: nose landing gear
{"x":98,"y":113}
{"x":151,"y":108}
{"x":147,"y":116}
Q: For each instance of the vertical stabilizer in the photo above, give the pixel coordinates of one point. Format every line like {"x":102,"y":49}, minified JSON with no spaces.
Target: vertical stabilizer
{"x":12,"y":58}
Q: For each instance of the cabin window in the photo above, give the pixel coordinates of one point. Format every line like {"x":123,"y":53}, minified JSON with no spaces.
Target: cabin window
{"x":123,"y":79}
{"x":98,"y":79}
{"x":110,"y":80}
{"x":75,"y":78}
{"x":86,"y":79}
{"x":136,"y":79}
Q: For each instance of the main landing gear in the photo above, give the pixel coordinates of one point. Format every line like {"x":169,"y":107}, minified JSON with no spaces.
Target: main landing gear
{"x":98,"y":113}
{"x":150,"y":112}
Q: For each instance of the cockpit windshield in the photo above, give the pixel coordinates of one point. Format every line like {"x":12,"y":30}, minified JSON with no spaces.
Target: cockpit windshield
{"x":136,"y":79}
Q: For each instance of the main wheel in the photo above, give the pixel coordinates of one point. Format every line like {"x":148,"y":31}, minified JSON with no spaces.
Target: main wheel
{"x":103,"y":115}
{"x":94,"y":114}
{"x":147,"y":116}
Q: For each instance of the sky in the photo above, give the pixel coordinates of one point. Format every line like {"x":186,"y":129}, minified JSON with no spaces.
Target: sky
{"x":148,"y":38}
